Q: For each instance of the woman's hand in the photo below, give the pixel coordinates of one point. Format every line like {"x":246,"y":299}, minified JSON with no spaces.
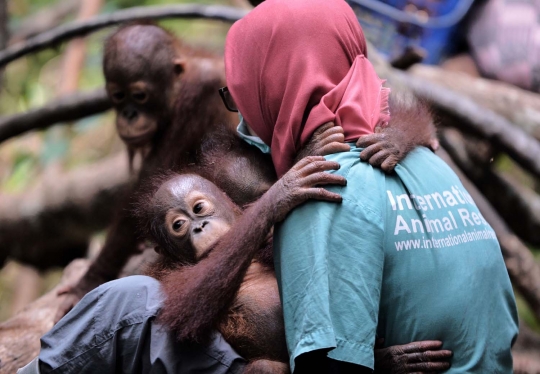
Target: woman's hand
{"x":327,"y":139}
{"x":301,"y":183}
{"x":416,"y":357}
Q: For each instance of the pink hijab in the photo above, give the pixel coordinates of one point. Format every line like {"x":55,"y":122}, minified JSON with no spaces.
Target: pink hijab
{"x":293,"y":65}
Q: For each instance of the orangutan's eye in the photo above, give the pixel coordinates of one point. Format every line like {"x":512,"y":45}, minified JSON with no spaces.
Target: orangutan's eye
{"x":118,"y":96}
{"x":197,"y":208}
{"x":178,"y":224}
{"x":140,"y":97}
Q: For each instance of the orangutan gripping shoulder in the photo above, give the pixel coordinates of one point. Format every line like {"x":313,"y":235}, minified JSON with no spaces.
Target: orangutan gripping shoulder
{"x":217,"y":271}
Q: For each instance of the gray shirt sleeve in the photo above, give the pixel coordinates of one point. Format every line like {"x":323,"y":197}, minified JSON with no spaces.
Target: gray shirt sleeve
{"x":113,"y":329}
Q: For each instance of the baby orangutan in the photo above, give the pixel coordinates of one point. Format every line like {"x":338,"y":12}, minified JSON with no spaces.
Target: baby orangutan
{"x":216,"y":266}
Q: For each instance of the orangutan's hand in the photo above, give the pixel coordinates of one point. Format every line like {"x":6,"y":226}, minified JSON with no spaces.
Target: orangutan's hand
{"x":417,"y":357}
{"x":327,"y":139}
{"x":301,"y":183}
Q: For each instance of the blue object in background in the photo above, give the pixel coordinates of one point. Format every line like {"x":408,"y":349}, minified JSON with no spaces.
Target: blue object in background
{"x":394,"y":25}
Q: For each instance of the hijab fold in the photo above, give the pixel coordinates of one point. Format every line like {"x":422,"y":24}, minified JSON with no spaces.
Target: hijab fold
{"x":293,"y":65}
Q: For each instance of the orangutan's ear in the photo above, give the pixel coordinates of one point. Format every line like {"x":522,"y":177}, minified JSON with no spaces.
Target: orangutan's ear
{"x":179,"y":65}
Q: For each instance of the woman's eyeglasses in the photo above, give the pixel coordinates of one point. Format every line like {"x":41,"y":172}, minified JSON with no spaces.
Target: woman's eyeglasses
{"x":227,"y":99}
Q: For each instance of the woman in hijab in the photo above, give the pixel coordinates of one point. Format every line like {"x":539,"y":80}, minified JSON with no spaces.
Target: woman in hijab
{"x":398,"y":257}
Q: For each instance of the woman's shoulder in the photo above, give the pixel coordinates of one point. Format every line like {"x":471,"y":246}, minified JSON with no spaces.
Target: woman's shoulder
{"x":423,"y":164}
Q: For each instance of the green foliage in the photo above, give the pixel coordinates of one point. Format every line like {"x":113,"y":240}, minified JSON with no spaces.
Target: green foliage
{"x":23,"y":168}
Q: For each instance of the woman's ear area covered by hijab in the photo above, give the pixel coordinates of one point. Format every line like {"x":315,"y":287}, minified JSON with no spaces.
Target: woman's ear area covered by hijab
{"x":292,"y":66}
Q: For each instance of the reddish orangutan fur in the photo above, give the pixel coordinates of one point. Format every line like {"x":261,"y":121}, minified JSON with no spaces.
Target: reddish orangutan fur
{"x":411,"y":123}
{"x":195,"y":110}
{"x":218,"y":276}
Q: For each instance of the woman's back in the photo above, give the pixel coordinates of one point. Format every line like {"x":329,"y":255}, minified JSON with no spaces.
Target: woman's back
{"x":444,"y":276}
{"x":410,"y":245}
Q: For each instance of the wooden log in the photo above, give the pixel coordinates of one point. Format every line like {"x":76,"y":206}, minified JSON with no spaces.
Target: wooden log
{"x":519,"y":106}
{"x":19,"y":336}
{"x":64,"y":109}
{"x":26,"y":287}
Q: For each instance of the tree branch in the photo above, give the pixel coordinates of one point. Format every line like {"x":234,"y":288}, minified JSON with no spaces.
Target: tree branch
{"x":51,"y":224}
{"x":521,"y":265}
{"x":515,"y":104}
{"x":519,"y":205}
{"x":80,"y":28}
{"x":470,"y":116}
{"x":466,"y":114}
{"x":65,"y":109}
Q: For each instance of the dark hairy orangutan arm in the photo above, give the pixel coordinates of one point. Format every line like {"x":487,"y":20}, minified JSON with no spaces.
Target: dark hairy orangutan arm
{"x":198,"y":296}
{"x":411,"y":125}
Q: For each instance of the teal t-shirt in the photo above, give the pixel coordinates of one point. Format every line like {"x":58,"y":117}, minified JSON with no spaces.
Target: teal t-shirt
{"x":444,"y":276}
{"x":407,"y":255}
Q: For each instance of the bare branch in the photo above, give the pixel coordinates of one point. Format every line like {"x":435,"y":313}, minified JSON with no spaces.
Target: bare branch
{"x":522,"y":147}
{"x":80,"y":28}
{"x":515,"y":104}
{"x":51,"y":224}
{"x":521,"y":265}
{"x":65,"y":109}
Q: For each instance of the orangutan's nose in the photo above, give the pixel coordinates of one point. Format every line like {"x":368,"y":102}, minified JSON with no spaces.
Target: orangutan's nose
{"x":201,"y":226}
